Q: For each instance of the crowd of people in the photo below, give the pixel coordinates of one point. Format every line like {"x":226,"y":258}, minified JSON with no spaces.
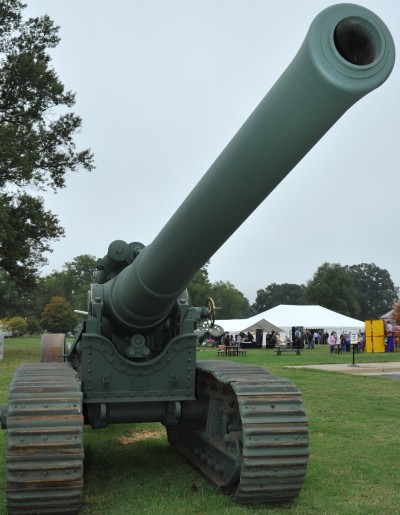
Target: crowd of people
{"x":229,"y":340}
{"x":343,"y":342}
{"x":236,"y":340}
{"x":311,"y":338}
{"x":304,"y":339}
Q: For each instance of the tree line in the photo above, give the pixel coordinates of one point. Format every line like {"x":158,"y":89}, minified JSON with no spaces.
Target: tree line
{"x":51,"y":303}
{"x":360,"y":291}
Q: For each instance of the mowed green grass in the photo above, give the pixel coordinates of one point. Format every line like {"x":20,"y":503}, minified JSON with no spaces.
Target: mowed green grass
{"x":354,"y":467}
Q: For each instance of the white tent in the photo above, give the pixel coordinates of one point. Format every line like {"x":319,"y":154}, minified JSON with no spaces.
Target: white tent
{"x":235,"y":326}
{"x":287,"y":316}
{"x":264,"y":325}
{"x":251,"y":325}
{"x":310,"y":317}
{"x":387,"y":316}
{"x":248,"y":324}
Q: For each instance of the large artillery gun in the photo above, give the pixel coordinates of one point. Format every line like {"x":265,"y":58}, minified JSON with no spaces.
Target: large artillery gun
{"x":134,"y":358}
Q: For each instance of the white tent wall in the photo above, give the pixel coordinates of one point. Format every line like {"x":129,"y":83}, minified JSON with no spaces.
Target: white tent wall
{"x":287,"y":316}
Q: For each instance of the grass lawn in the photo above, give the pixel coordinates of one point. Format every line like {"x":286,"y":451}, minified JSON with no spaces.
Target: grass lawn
{"x":354,"y":467}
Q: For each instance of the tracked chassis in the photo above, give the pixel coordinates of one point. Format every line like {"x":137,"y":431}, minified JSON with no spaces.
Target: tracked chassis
{"x":247,"y":432}
{"x":251,"y":433}
{"x":45,"y":440}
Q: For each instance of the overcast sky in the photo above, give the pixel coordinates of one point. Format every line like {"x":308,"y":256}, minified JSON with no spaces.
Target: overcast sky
{"x":162,"y":86}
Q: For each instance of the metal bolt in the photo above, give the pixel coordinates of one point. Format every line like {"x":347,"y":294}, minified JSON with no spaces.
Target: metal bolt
{"x":219,"y":467}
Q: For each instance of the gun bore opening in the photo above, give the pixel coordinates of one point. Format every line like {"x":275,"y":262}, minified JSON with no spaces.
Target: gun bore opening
{"x":355,"y":42}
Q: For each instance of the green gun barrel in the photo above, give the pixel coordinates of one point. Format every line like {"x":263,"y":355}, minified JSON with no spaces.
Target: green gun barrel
{"x":347,"y":53}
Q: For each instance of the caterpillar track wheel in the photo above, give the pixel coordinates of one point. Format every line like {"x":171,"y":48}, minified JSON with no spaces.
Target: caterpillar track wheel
{"x":45,"y":440}
{"x":247,"y":432}
{"x":52,"y":348}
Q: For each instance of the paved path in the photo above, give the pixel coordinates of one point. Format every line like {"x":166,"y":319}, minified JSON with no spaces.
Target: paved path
{"x":391,"y":369}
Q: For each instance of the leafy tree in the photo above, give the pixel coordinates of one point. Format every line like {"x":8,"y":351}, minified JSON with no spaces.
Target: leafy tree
{"x":9,"y":296}
{"x":50,"y":286}
{"x":200,"y":288}
{"x":15,"y":325}
{"x":396,"y":311}
{"x":32,"y":325}
{"x":72,"y":283}
{"x":276,"y":294}
{"x":25,"y":232}
{"x":58,"y":316}
{"x":375,"y":291}
{"x":332,"y":288}
{"x":81,"y":273}
{"x":230,"y":302}
{"x":13,"y":300}
{"x":36,"y":141}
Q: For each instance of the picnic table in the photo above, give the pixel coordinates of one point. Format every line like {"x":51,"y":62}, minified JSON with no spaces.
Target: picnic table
{"x":230,"y":350}
{"x":284,"y":348}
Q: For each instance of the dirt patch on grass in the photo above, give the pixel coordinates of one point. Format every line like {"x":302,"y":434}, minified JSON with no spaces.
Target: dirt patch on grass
{"x":137,"y":435}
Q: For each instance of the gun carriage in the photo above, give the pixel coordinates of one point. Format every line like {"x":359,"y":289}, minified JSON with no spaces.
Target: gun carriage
{"x":134,"y":358}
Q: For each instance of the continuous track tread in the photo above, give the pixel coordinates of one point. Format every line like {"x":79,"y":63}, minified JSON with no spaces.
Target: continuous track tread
{"x":45,"y":440}
{"x":273,"y":451}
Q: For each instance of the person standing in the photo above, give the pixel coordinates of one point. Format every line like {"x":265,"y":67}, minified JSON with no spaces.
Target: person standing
{"x":238,"y":340}
{"x":389,"y":347}
{"x":332,"y":342}
{"x":310,"y":340}
{"x":342,"y":343}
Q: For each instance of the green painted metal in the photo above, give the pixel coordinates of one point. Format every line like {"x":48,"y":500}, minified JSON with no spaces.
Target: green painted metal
{"x":253,"y":435}
{"x":107,"y":376}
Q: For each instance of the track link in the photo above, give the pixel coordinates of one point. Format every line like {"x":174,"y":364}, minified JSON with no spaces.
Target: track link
{"x":253,"y":437}
{"x":45,"y":440}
